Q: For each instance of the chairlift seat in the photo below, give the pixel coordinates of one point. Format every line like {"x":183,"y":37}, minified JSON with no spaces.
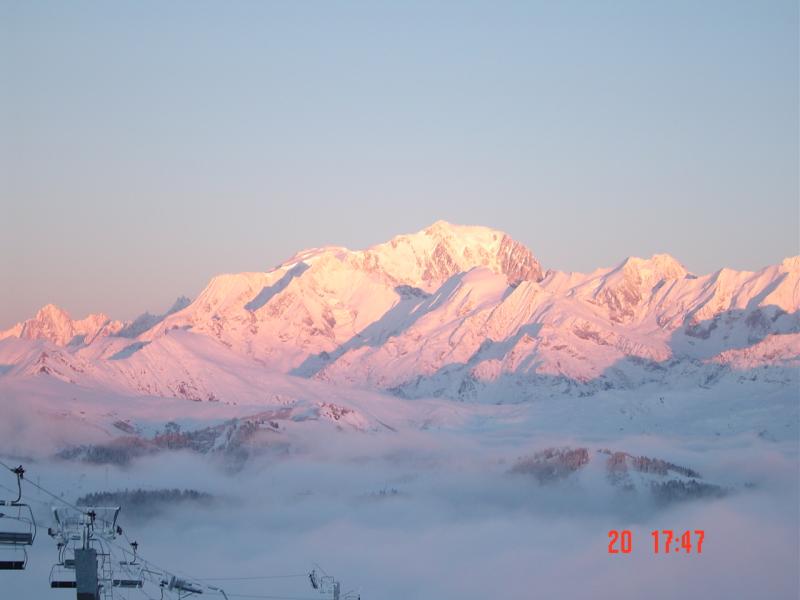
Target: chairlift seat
{"x":16,"y":537}
{"x":63,"y":585}
{"x":12,"y":565}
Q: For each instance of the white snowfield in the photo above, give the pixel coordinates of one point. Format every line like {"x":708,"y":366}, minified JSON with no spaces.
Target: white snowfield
{"x":457,"y":312}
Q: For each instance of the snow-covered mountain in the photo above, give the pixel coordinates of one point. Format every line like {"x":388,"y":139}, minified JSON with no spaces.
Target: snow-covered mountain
{"x":454,"y":311}
{"x":55,"y":325}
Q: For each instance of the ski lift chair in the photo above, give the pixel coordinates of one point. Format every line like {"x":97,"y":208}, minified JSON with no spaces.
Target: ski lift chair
{"x":62,"y":577}
{"x":14,"y":559}
{"x":326,"y":584}
{"x":127,"y":583}
{"x":62,"y":574}
{"x":17,"y":529}
{"x":132,"y":570}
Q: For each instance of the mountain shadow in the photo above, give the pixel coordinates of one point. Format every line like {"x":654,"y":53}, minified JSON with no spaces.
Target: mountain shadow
{"x":266,"y":294}
{"x":691,"y":347}
{"x":414,"y":303}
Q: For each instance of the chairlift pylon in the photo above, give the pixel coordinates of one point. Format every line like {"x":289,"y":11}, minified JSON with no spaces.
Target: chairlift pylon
{"x":83,"y":536}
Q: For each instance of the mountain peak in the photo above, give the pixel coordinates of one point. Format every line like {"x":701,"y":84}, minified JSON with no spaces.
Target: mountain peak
{"x":427,"y":258}
{"x":52,"y":312}
{"x":658,"y":266}
{"x":147,"y":321}
{"x":439,"y":225}
{"x":446,"y":227}
{"x":465,"y":233}
{"x":791,"y":263}
{"x":54,"y":324}
{"x":51,"y":322}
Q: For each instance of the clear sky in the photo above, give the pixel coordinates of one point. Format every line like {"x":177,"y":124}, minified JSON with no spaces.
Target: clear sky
{"x":146,"y":146}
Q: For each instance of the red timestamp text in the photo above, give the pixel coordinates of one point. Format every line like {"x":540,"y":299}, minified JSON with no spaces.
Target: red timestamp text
{"x":664,"y":541}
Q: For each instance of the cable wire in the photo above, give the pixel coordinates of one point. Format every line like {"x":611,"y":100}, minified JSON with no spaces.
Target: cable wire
{"x":253,"y":578}
{"x":231,"y":595}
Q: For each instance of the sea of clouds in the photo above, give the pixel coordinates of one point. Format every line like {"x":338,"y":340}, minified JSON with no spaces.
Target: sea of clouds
{"x":436,"y":515}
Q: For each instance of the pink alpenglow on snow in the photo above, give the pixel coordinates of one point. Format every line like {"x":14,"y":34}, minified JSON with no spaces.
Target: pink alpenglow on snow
{"x":457,"y":311}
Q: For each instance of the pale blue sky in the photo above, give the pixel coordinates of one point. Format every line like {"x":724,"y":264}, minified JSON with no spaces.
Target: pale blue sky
{"x":147,"y":146}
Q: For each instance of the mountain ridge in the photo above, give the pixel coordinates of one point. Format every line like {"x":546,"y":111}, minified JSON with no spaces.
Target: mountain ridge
{"x":459,"y":311}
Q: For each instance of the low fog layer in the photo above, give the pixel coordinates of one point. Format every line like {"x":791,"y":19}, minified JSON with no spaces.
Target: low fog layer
{"x":433,"y":515}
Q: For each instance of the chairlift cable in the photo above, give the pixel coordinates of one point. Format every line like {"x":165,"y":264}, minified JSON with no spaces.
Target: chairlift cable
{"x":234,"y":595}
{"x":253,"y":578}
